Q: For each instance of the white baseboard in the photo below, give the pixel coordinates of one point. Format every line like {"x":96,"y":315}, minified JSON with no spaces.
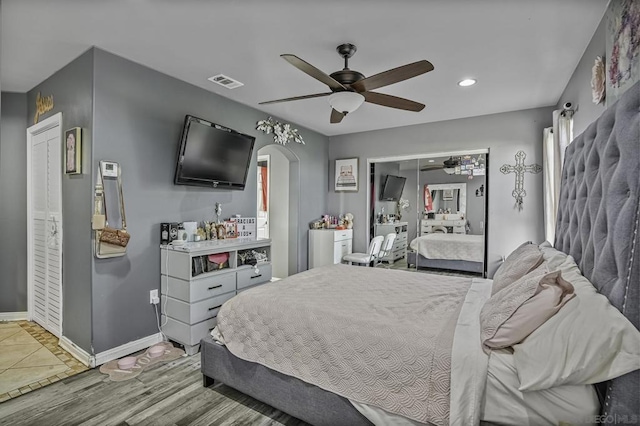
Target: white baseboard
{"x":126,"y":349}
{"x":13,"y":316}
{"x":77,"y":352}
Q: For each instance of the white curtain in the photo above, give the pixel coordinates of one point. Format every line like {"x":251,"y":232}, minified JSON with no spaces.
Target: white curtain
{"x":555,"y":142}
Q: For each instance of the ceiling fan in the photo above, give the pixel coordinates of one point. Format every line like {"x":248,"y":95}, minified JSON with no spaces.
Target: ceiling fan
{"x":448,"y":164}
{"x":350,"y":88}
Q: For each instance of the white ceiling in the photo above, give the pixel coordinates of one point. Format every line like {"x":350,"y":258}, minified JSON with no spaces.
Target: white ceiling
{"x":522,"y":52}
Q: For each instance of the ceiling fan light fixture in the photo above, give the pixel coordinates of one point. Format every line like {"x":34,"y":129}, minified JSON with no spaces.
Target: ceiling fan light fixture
{"x":467,"y":82}
{"x":449,"y":170}
{"x":346,"y":102}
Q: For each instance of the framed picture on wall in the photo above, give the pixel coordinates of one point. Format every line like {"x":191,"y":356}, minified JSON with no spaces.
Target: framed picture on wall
{"x":73,"y":151}
{"x":346,"y":175}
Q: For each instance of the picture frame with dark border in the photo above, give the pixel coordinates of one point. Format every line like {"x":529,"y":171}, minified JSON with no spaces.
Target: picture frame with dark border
{"x":73,"y":151}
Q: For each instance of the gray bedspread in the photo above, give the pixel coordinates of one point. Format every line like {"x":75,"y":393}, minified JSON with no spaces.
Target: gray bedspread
{"x":379,"y":337}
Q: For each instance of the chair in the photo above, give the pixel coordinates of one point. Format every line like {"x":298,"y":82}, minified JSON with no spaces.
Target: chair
{"x":439,"y":229}
{"x":386,"y":249}
{"x":369,"y":256}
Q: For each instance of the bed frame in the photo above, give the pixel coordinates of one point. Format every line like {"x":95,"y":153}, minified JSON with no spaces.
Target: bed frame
{"x":420,"y":261}
{"x":597,"y":224}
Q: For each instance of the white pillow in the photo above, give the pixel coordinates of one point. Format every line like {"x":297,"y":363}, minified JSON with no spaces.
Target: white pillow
{"x":552,"y":256}
{"x":588,"y":341}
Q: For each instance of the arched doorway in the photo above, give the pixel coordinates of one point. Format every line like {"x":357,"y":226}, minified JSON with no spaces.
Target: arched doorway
{"x":278,"y":206}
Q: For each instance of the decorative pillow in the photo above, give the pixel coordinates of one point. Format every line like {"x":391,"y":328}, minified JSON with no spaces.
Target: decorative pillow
{"x":516,"y":311}
{"x":588,"y":341}
{"x":519,"y":263}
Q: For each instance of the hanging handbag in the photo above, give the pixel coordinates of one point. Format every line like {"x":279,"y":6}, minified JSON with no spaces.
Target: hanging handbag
{"x":112,"y":242}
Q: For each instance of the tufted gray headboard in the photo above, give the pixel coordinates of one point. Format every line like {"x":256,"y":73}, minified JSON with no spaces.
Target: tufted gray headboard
{"x":597,"y":224}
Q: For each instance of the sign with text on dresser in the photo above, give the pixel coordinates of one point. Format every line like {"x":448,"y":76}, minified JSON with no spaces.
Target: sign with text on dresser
{"x":246,"y":226}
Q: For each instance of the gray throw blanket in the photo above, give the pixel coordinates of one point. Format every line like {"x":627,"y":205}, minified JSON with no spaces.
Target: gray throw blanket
{"x":379,"y":337}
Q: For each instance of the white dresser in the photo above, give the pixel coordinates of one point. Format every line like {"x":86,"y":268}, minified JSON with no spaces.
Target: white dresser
{"x":190,"y":300}
{"x":399,"y":249}
{"x":328,"y":246}
{"x":456,"y":226}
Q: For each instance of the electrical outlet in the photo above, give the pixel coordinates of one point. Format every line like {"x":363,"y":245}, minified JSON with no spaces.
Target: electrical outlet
{"x":153,"y":297}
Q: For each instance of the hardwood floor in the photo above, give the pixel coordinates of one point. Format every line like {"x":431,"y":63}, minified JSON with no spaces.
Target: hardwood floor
{"x":167,"y":394}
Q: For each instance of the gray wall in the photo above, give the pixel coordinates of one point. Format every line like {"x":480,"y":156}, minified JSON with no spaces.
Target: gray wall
{"x":72,"y":90}
{"x":504,"y":134}
{"x":578,"y":89}
{"x":475,"y":205}
{"x":278,"y":209}
{"x":139,"y":114}
{"x":13,"y":204}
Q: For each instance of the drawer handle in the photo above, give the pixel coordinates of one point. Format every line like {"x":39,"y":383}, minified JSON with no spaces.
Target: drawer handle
{"x":256,"y":276}
{"x":215,"y":286}
{"x":215,"y":307}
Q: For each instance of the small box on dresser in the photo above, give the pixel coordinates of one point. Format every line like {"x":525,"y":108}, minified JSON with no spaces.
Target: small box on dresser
{"x":189,"y":302}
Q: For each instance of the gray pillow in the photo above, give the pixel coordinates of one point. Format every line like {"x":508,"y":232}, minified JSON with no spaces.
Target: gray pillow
{"x":519,"y":263}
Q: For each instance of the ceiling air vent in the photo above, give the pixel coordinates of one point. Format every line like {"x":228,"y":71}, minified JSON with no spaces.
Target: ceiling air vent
{"x":225,"y":81}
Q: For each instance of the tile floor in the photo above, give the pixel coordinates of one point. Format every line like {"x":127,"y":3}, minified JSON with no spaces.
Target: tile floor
{"x":31,"y":358}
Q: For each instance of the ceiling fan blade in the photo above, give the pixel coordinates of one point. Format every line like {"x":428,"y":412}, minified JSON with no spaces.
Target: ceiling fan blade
{"x":296,"y":98}
{"x":313,"y":72}
{"x":434,"y":167}
{"x":392,"y":76}
{"x":392,"y":101}
{"x":336,"y":116}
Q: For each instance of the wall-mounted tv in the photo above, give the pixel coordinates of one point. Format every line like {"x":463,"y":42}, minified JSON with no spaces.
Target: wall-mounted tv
{"x":212,"y":155}
{"x":392,"y":188}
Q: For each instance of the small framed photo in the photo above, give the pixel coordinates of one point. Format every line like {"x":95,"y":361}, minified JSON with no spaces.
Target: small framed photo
{"x":346,"y":175}
{"x":231,"y":229}
{"x":73,"y":151}
{"x":447,"y":194}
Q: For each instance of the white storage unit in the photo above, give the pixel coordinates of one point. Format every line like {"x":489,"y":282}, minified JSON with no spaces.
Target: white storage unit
{"x":189,"y":302}
{"x":399,"y":249}
{"x":455,"y":226}
{"x":328,"y":246}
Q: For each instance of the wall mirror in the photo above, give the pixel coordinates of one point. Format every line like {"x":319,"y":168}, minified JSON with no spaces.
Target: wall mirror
{"x":446,"y":198}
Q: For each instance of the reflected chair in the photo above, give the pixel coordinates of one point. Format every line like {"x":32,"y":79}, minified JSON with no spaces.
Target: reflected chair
{"x":386,"y":249}
{"x":368,"y":257}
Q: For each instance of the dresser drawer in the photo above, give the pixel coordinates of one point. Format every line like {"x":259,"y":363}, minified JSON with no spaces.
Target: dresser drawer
{"x":458,"y":222}
{"x":195,"y":312}
{"x":345,"y":234}
{"x":185,"y":333}
{"x":401,"y":238}
{"x":398,"y":246}
{"x":198,"y":289}
{"x":248,"y":277}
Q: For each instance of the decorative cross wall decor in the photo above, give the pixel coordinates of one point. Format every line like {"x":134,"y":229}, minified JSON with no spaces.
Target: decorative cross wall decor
{"x":519,"y":169}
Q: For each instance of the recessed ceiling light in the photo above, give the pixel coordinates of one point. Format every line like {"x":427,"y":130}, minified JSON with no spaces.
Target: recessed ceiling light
{"x":467,"y":82}
{"x":432,"y":161}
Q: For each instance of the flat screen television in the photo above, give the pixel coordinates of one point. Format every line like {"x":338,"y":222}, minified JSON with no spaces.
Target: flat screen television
{"x":392,"y":188}
{"x":212,"y":155}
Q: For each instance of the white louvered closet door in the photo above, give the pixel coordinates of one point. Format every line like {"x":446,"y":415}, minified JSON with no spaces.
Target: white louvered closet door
{"x":46,"y":262}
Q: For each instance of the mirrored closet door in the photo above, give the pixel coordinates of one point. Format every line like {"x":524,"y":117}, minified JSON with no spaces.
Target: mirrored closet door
{"x":437,"y":207}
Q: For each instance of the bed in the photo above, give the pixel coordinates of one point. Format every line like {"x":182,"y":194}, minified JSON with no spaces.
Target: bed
{"x":462,"y":252}
{"x":597,"y":225}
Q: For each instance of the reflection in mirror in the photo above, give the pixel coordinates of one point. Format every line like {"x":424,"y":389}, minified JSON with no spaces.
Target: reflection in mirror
{"x":445,"y":202}
{"x":447,"y":198}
